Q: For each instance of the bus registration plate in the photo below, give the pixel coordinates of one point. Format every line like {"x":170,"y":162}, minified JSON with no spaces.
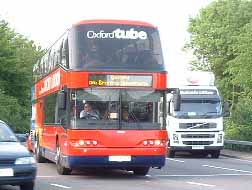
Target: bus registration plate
{"x":198,"y":147}
{"x":119,"y":158}
{"x":6,"y":172}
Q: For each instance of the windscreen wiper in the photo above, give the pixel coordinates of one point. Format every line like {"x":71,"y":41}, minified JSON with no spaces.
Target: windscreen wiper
{"x":206,"y":113}
{"x":184,"y":115}
{"x":135,"y":119}
{"x":8,"y":140}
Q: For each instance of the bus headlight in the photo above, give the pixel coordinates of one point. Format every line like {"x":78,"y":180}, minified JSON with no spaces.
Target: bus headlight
{"x":83,"y":143}
{"x":156,"y":142}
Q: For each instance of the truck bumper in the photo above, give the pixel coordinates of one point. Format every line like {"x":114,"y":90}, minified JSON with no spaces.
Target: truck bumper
{"x":191,"y":148}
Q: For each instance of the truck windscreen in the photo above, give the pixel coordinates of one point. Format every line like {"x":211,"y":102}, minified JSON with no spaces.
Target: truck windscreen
{"x":199,"y":108}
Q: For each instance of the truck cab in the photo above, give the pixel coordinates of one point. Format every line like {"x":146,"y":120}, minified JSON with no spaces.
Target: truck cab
{"x":197,"y":127}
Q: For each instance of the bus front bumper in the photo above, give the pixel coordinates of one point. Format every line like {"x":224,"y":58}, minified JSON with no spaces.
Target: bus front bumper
{"x":114,"y":161}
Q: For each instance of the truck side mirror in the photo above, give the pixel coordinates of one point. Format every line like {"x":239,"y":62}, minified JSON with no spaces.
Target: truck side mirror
{"x":226,"y":111}
{"x":61,"y":100}
{"x":177,"y":101}
{"x":176,"y":98}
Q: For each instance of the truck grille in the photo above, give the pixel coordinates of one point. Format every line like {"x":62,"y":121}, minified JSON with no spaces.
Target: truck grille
{"x":197,"y":125}
{"x":191,"y":136}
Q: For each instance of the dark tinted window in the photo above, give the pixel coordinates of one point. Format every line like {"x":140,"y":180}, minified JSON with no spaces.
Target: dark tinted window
{"x":65,"y":54}
{"x":49,"y":109}
{"x":116,"y":47}
{"x":6,"y":135}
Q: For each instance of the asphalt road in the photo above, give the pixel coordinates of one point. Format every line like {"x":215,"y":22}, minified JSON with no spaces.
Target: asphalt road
{"x":181,"y":173}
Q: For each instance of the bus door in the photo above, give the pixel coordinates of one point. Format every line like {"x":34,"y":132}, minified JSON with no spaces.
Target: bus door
{"x":49,"y":122}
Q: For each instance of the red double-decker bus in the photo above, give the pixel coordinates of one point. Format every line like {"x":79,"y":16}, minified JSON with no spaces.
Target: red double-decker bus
{"x":99,"y":98}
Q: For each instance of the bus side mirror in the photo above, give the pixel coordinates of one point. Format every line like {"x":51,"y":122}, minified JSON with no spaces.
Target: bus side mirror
{"x":61,"y":100}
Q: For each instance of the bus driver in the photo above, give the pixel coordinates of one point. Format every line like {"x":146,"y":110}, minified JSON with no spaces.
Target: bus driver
{"x":88,"y":113}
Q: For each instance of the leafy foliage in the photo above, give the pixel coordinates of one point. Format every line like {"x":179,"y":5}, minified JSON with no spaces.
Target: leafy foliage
{"x":221,"y":40}
{"x":17,"y":56}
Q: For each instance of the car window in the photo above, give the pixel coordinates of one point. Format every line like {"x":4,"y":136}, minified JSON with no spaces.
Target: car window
{"x":6,"y":135}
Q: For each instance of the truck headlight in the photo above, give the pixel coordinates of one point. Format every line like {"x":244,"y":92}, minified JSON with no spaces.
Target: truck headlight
{"x":220,"y":138}
{"x":175,"y":138}
{"x":25,"y":160}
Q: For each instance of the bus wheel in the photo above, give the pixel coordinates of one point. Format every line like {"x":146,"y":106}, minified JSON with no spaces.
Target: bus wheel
{"x":171,"y":153}
{"x":27,"y":186}
{"x":38,"y":154}
{"x":61,"y":169}
{"x":215,"y":154}
{"x":141,"y":171}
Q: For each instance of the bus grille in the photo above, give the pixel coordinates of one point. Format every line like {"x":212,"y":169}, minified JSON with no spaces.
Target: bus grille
{"x":197,"y":125}
{"x":197,"y":142}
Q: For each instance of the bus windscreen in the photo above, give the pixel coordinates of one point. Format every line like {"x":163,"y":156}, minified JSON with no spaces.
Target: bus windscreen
{"x":116,"y":109}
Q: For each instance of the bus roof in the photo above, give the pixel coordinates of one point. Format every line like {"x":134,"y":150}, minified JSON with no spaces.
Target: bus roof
{"x":107,"y":21}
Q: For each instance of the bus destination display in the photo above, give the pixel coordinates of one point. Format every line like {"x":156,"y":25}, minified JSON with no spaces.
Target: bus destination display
{"x":120,"y":80}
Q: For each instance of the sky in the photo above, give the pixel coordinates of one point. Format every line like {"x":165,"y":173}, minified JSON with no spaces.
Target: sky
{"x":43,"y":21}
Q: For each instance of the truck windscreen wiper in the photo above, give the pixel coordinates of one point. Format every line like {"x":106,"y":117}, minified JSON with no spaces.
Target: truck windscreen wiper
{"x":210,"y":112}
{"x":183,"y":115}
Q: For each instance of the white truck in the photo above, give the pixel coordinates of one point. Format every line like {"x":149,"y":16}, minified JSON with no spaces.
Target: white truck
{"x":197,"y":125}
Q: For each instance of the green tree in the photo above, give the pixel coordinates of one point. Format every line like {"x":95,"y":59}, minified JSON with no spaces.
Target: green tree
{"x":214,"y":34}
{"x":10,"y":111}
{"x":17,"y":57}
{"x":221,"y":40}
{"x":239,"y":126}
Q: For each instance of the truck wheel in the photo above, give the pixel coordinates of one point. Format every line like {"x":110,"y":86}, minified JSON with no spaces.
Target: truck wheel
{"x":141,"y":171}
{"x":61,"y":169}
{"x":215,"y":154}
{"x":205,"y":154}
{"x":171,"y":153}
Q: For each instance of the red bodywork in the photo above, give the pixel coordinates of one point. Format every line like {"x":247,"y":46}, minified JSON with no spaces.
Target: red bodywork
{"x":29,"y":143}
{"x":106,"y":139}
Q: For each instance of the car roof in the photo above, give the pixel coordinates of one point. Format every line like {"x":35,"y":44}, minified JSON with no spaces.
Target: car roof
{"x":2,"y":122}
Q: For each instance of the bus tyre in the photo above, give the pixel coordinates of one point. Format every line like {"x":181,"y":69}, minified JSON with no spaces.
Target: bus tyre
{"x":171,"y":153}
{"x":141,"y":171}
{"x":38,"y":155}
{"x":27,"y":186}
{"x":215,"y":154}
{"x":61,"y":169}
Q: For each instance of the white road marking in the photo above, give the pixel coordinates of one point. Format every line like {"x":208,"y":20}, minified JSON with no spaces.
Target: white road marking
{"x":243,"y":160}
{"x":200,"y":184}
{"x":61,"y":186}
{"x":230,"y":169}
{"x":175,"y":160}
{"x":46,"y":176}
{"x":208,"y":175}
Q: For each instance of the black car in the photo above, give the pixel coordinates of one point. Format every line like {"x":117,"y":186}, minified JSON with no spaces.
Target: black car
{"x":17,"y":166}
